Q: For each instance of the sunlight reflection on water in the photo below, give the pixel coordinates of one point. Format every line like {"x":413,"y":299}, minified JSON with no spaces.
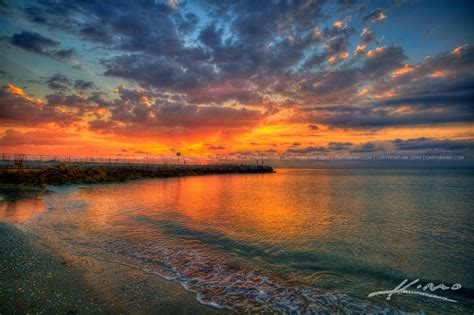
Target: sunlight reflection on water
{"x":294,"y":240}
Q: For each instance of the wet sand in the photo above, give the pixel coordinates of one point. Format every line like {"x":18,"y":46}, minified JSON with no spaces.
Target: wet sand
{"x":35,"y":278}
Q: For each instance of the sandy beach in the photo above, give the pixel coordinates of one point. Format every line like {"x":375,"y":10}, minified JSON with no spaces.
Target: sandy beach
{"x":36,"y":279}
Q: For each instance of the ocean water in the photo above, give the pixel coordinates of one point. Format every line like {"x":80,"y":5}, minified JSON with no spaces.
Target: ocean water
{"x":307,"y":240}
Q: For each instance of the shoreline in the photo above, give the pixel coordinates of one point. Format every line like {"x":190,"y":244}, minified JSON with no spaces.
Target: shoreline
{"x":39,"y":275}
{"x":106,"y":281}
{"x":38,"y":278}
{"x":43,"y":175}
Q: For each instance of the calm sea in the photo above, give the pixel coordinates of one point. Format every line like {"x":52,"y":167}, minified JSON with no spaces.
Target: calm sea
{"x":299,"y":239}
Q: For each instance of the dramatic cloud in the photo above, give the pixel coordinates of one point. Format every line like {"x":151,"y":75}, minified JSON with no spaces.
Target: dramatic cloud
{"x":310,"y":149}
{"x":138,"y":112}
{"x":374,"y":16}
{"x":382,"y":117}
{"x":82,"y":85}
{"x":382,"y":60}
{"x":335,"y":146}
{"x":432,"y":144}
{"x":58,"y":82}
{"x":365,"y":148}
{"x":159,"y":72}
{"x":33,"y":42}
{"x":37,"y":43}
{"x":16,"y":138}
{"x":367,"y":36}
{"x":17,"y":108}
{"x":240,"y":72}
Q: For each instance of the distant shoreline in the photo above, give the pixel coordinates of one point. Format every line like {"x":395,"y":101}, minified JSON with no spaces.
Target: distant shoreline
{"x":44,"y":175}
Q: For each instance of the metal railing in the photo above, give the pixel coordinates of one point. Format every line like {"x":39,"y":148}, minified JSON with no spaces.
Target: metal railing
{"x":21,"y":159}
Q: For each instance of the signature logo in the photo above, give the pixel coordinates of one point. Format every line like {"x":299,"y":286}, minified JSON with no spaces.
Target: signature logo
{"x":404,"y":288}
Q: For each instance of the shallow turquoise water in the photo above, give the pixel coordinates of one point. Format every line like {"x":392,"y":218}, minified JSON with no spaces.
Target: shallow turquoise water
{"x":297,"y":240}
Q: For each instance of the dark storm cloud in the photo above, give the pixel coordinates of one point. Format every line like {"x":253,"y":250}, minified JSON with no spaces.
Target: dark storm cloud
{"x":256,"y":21}
{"x":158,"y":72}
{"x":336,"y":81}
{"x":444,"y":78}
{"x":122,"y":25}
{"x":19,"y":109}
{"x":140,"y":119}
{"x":263,"y":46}
{"x":457,"y":58}
{"x":432,"y":144}
{"x":383,"y":60}
{"x":72,"y":100}
{"x":58,"y":82}
{"x":265,"y":38}
{"x":82,"y":85}
{"x":374,"y":16}
{"x":336,"y":45}
{"x":340,"y":84}
{"x":247,"y":52}
{"x":79,"y":103}
{"x":315,"y":60}
{"x":310,"y":149}
{"x":367,"y":36}
{"x":260,"y":56}
{"x":187,"y":23}
{"x":415,"y":98}
{"x":39,"y":44}
{"x":63,"y":54}
{"x":336,"y":146}
{"x":211,"y":37}
{"x":419,"y":100}
{"x":98,"y":35}
{"x":380,"y":117}
{"x":365,"y":148}
{"x":434,"y":100}
{"x":208,"y":116}
{"x":33,"y":42}
{"x":140,"y":111}
{"x":349,"y":4}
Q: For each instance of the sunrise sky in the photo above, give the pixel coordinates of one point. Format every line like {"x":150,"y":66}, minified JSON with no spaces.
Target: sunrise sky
{"x":220,"y":77}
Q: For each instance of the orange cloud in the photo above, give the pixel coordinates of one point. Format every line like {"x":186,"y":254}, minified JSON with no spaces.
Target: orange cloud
{"x":459,"y":50}
{"x":15,"y":90}
{"x":344,"y":55}
{"x":439,"y":73}
{"x":374,"y":52}
{"x":402,"y":71}
{"x":359,"y":49}
{"x":386,"y":94}
{"x":363,"y":91}
{"x":332,"y":59}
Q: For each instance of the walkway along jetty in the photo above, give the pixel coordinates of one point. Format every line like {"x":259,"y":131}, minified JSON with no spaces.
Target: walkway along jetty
{"x":58,"y":172}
